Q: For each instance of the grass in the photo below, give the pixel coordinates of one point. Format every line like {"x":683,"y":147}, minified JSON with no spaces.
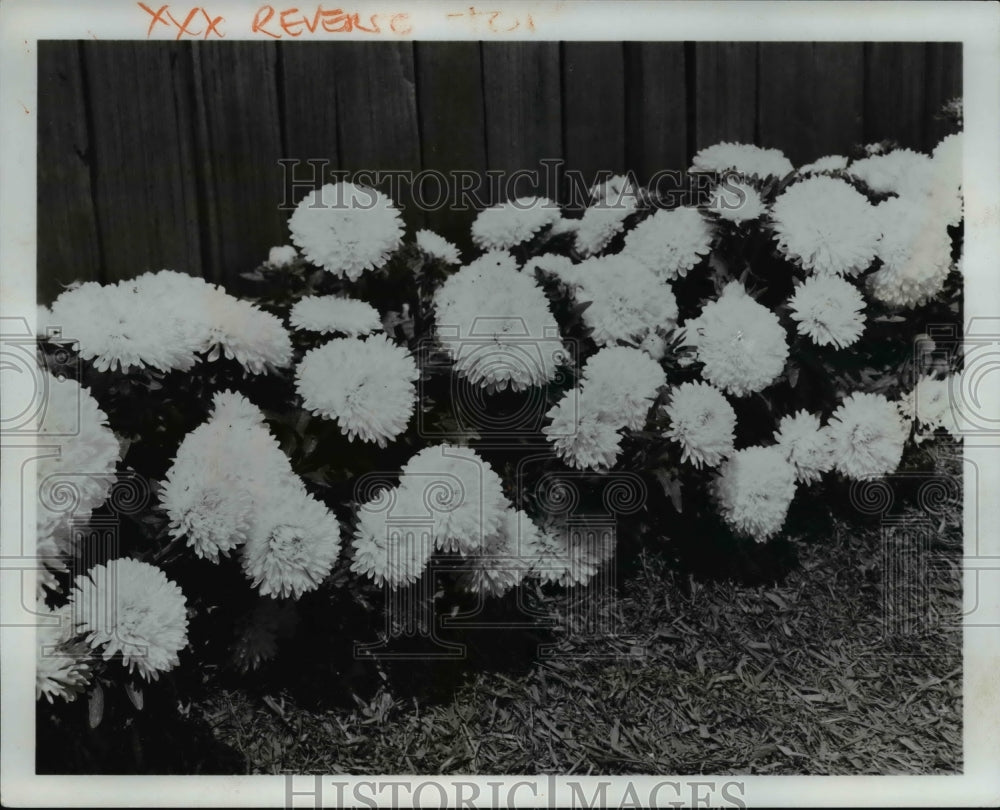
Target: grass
{"x":702,"y":678}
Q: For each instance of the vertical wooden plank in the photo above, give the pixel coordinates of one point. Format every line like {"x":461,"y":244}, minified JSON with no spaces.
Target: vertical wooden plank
{"x":377,"y":115}
{"x":594,"y":108}
{"x":725,"y":93}
{"x":308,"y":96}
{"x":656,"y":88}
{"x":895,"y":106}
{"x":811,"y":98}
{"x":65,"y":207}
{"x":943,"y":83}
{"x":452,"y":128}
{"x":142,"y":148}
{"x":523,"y":97}
{"x":240,"y":146}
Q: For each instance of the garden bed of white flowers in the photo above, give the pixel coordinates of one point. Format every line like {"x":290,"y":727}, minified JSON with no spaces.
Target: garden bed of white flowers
{"x":377,"y":413}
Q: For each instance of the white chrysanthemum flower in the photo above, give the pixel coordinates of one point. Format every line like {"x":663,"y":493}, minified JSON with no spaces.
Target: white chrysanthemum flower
{"x":740,"y":342}
{"x":565,"y":225}
{"x":571,"y":554}
{"x":551,"y":264}
{"x":603,"y":220}
{"x":52,"y":552}
{"x":654,"y":345}
{"x":62,"y":669}
{"x":806,"y":445}
{"x":130,"y":607}
{"x":949,"y":153}
{"x":628,"y":301}
{"x":742,"y":157}
{"x":437,"y":247}
{"x":828,"y":310}
{"x":937,"y":185}
{"x":254,"y":338}
{"x":827,"y":163}
{"x":754,"y":489}
{"x":496,"y":325}
{"x":867,"y":436}
{"x":346,"y":229}
{"x":702,"y":422}
{"x":78,"y":479}
{"x":915,"y":250}
{"x":888,"y":173}
{"x":490,"y":261}
{"x":460,"y":492}
{"x":505,"y":559}
{"x":614,"y":190}
{"x":941,"y":194}
{"x":597,"y":227}
{"x":826,"y":226}
{"x":257,"y":636}
{"x":934,"y":403}
{"x":513,"y":223}
{"x":117,"y":327}
{"x":583,"y":434}
{"x":213,"y":514}
{"x":222,"y":469}
{"x":736,"y":202}
{"x":877,"y":148}
{"x":217,"y":322}
{"x":616,"y":390}
{"x":231,"y":408}
{"x":293,"y":542}
{"x":366,"y":385}
{"x":671,"y":242}
{"x":333,"y":313}
{"x":282,"y":256}
{"x":394,"y":539}
{"x":88,"y":449}
{"x":192,"y":295}
{"x":623,"y":382}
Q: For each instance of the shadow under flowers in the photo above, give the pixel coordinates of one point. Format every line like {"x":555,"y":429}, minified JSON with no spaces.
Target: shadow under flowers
{"x":343,"y":655}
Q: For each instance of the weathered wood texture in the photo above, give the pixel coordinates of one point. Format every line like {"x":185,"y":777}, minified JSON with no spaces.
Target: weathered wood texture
{"x":154,"y":155}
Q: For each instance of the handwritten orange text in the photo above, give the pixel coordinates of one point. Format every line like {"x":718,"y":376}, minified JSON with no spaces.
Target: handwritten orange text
{"x":185,"y":23}
{"x":294,"y":23}
{"x":496,"y":22}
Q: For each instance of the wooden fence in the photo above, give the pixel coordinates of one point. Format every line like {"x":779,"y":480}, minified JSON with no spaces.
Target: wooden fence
{"x":155,"y":155}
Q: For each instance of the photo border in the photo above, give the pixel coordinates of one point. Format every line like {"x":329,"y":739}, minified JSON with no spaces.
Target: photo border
{"x":972,"y":23}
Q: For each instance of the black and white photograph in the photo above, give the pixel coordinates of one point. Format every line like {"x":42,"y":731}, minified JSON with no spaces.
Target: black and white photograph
{"x":493,"y":398}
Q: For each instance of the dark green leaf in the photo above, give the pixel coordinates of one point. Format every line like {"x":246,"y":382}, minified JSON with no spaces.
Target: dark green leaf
{"x":671,"y":486}
{"x":134,"y":693}
{"x":95,"y":705}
